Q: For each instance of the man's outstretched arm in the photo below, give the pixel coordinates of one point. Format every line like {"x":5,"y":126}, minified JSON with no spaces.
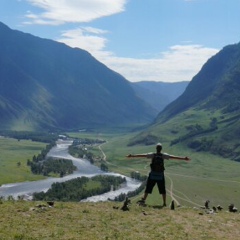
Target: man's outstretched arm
{"x":136,"y":155}
{"x":179,"y":158}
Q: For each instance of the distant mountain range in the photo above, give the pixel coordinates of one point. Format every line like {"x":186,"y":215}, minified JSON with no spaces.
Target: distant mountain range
{"x":48,"y":85}
{"x":159,"y":94}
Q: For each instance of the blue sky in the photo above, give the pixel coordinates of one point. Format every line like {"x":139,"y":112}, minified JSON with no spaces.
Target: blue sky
{"x":150,"y":40}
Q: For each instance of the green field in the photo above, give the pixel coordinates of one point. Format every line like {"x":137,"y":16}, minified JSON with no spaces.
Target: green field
{"x":13,"y":160}
{"x":205,"y":177}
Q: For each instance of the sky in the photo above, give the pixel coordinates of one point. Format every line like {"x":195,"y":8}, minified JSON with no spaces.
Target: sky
{"x":143,"y":40}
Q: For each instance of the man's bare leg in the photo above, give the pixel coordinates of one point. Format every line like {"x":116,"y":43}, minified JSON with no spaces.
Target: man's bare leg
{"x":164,"y":196}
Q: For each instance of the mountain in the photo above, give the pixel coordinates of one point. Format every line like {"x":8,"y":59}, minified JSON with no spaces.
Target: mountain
{"x":216,"y":86}
{"x":47,"y":85}
{"x":206,"y":116}
{"x":159,"y":94}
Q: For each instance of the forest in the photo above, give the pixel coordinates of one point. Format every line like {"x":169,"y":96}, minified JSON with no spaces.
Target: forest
{"x":51,"y":165}
{"x":80,"y":188}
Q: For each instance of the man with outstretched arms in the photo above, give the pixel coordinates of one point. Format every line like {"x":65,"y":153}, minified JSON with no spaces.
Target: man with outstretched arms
{"x":156,"y":175}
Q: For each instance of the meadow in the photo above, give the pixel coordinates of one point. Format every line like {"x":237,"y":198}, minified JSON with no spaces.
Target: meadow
{"x":13,"y":160}
{"x":189,"y":184}
{"x":205,"y":177}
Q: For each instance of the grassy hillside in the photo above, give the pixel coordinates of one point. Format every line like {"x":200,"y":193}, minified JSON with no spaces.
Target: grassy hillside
{"x":199,"y":129}
{"x":65,"y":221}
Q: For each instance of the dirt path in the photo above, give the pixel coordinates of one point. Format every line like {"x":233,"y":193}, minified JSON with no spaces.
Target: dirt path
{"x":170,"y":191}
{"x":181,"y":195}
{"x":107,"y":162}
{"x":102,"y":152}
{"x":175,"y":197}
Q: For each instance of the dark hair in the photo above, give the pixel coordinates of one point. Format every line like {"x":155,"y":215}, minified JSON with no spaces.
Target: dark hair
{"x":159,"y":147}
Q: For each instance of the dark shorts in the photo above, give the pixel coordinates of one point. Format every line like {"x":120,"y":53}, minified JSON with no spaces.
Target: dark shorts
{"x":158,"y":179}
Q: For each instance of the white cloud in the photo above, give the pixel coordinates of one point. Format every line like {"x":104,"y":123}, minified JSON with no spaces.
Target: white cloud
{"x":179,"y":63}
{"x":63,"y":11}
{"x":86,"y":38}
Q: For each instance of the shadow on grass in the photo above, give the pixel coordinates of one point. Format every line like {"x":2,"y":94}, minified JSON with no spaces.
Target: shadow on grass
{"x":158,"y":206}
{"x":152,"y":206}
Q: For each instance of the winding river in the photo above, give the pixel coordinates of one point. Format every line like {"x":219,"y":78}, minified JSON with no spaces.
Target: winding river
{"x":84,"y":168}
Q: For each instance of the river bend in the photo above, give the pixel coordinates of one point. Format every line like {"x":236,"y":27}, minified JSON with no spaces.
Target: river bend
{"x":84,"y":168}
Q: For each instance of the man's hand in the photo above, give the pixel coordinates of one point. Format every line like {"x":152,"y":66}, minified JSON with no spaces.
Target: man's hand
{"x":129,"y":155}
{"x":187,"y":159}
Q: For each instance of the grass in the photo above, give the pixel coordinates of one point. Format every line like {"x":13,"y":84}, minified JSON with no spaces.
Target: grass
{"x":14,"y":152}
{"x":25,"y":220}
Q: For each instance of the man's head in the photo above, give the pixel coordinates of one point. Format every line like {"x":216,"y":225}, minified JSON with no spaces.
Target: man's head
{"x":159,"y":147}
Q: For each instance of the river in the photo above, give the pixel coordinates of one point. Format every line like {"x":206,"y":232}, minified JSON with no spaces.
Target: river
{"x":84,"y":168}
